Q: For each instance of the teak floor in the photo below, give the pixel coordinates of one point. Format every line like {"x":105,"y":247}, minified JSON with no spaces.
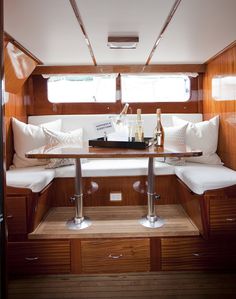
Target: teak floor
{"x":158,"y":285}
{"x":115,"y":222}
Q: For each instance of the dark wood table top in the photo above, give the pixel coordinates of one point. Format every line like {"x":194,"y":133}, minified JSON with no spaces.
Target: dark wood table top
{"x":85,"y":151}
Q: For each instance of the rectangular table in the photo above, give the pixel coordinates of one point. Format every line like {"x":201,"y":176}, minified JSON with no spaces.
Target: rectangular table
{"x":82,"y":150}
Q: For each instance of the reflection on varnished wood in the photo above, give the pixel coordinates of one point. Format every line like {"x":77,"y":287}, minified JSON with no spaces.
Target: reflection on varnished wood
{"x":18,"y":66}
{"x":224,"y":64}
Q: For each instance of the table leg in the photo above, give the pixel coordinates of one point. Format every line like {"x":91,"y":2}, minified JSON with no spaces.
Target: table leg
{"x":151,"y":219}
{"x":79,"y":221}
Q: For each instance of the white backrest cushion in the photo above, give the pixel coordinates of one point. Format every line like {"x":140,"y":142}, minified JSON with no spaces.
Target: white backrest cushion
{"x":202,"y":136}
{"x":72,"y":122}
{"x":28,"y":137}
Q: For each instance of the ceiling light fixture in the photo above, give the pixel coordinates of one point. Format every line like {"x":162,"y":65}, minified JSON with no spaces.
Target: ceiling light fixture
{"x":122,"y":42}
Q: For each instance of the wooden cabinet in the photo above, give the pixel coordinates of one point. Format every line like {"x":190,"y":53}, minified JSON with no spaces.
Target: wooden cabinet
{"x":115,"y":255}
{"x":194,"y":253}
{"x":222,"y":216}
{"x":44,"y":257}
{"x":16,"y":215}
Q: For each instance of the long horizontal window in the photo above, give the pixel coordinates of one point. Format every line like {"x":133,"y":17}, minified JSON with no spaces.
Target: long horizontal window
{"x":82,"y":88}
{"x":155,"y":88}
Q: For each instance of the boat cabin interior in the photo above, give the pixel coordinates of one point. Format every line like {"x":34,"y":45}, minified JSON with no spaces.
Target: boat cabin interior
{"x":118,"y":143}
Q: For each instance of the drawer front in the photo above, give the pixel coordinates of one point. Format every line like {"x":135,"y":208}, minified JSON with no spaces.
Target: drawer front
{"x":16,"y":215}
{"x":39,"y":257}
{"x":223,"y":216}
{"x":196,"y":254}
{"x":106,"y":256}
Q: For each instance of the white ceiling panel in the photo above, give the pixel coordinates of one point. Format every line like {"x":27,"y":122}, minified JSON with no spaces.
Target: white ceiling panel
{"x":143,"y":18}
{"x":48,"y":29}
{"x":198,"y":31}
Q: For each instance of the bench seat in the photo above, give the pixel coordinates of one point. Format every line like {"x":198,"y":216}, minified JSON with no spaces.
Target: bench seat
{"x":33,"y":178}
{"x":198,"y":177}
{"x":37,"y":178}
{"x":201,"y":177}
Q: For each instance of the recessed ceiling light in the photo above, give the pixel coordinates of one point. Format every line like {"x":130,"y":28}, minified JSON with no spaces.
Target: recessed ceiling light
{"x":122,"y":42}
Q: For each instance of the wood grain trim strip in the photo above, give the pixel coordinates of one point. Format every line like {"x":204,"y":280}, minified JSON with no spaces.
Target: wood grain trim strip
{"x":88,"y":69}
{"x":81,"y":24}
{"x":170,"y":16}
{"x":9,"y":38}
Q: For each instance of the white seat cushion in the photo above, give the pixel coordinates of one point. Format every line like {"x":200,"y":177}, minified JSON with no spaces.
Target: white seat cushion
{"x":115,"y":167}
{"x":201,"y":177}
{"x":34,"y":178}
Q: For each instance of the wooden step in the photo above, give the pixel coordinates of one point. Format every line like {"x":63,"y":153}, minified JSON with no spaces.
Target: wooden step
{"x":115,"y":222}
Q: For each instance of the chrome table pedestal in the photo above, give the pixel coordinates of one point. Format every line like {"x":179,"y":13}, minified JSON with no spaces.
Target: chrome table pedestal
{"x":151,"y":219}
{"x":79,"y":221}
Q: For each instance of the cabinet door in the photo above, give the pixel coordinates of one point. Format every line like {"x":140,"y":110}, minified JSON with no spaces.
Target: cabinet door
{"x":223,"y":216}
{"x":16,"y":215}
{"x":45,"y":257}
{"x":194,"y":253}
{"x":108,"y":256}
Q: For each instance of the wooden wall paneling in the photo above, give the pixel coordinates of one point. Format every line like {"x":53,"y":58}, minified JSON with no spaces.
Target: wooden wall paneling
{"x":107,"y":69}
{"x":223,"y":64}
{"x":41,"y":106}
{"x":64,"y":189}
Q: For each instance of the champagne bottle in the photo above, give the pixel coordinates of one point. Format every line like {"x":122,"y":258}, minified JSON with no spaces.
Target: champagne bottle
{"x":139,"y":134}
{"x":122,"y":114}
{"x":159,"y":131}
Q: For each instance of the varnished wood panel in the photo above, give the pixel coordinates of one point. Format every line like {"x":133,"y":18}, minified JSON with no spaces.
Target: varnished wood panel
{"x":155,"y":254}
{"x":39,"y":257}
{"x":17,"y":68}
{"x":43,"y":203}
{"x":16,"y":214}
{"x":88,"y":69}
{"x":75,"y":252}
{"x":194,"y":205}
{"x":195,"y":253}
{"x":223,"y":64}
{"x":64,"y":189}
{"x":109,"y":256}
{"x":115,"y":222}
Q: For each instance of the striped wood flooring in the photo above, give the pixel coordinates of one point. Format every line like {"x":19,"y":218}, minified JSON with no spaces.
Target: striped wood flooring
{"x":158,"y":285}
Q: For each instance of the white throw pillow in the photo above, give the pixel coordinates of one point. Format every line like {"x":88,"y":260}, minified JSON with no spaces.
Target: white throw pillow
{"x":202,"y":136}
{"x":175,"y":136}
{"x":63,"y":138}
{"x":28,"y":137}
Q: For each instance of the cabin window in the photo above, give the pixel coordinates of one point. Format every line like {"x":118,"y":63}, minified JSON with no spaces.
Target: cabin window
{"x":155,"y":88}
{"x":224,"y":88}
{"x":82,"y":88}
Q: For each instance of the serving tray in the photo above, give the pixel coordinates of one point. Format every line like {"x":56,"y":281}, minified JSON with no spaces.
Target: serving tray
{"x":100,"y":142}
